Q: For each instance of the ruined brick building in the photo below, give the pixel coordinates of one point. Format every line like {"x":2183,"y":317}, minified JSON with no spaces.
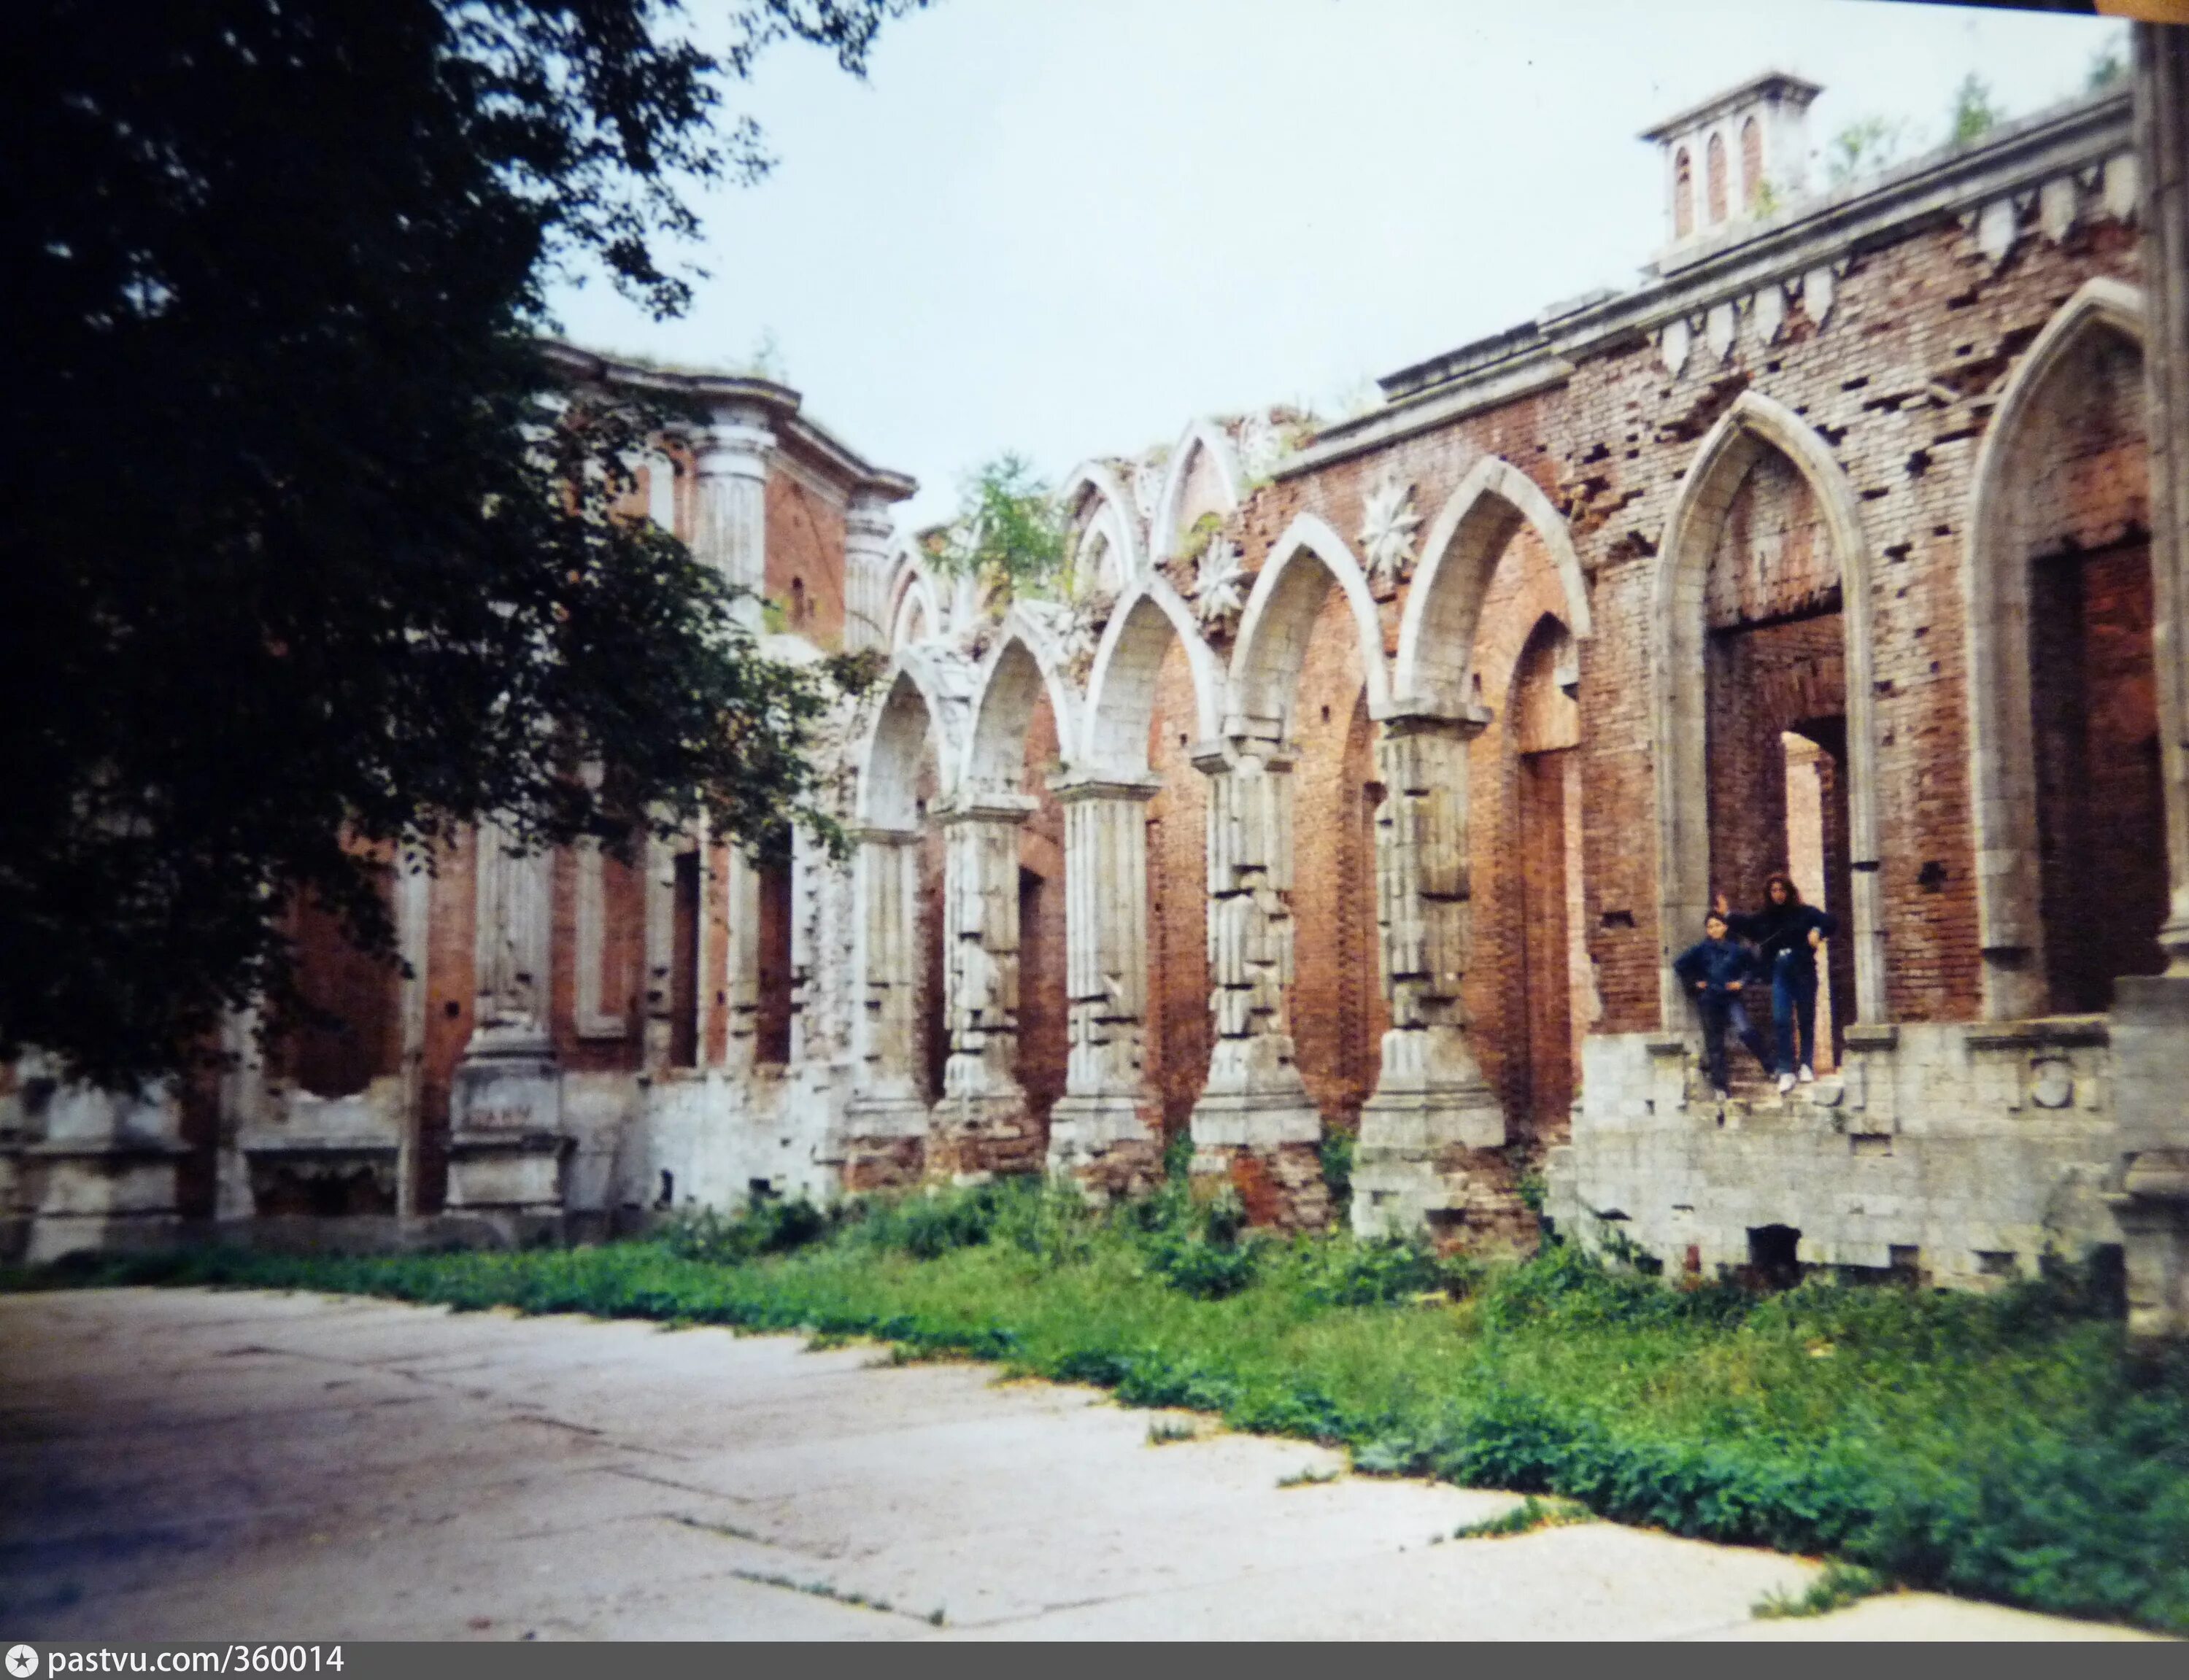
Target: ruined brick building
{"x":1370,"y":774}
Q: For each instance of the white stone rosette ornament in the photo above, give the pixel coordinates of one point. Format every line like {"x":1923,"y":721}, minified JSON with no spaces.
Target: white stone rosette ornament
{"x":1387,"y":525}
{"x":1220,"y":587}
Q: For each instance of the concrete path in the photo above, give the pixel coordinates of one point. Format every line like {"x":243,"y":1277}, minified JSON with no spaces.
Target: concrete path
{"x":191,"y":1465}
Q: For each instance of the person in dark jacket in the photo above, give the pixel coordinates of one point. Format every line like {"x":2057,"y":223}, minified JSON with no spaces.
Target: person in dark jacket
{"x":1787,"y":934}
{"x":1716,"y":970}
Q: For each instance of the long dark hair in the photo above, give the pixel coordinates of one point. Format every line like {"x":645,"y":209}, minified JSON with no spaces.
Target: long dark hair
{"x":1793,"y":892}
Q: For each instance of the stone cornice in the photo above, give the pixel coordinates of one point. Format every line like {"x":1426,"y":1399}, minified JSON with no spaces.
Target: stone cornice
{"x":782,"y":406}
{"x":1538,"y":355}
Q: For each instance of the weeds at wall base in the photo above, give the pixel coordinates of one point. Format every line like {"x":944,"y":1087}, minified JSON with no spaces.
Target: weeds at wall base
{"x":2005,"y":1447}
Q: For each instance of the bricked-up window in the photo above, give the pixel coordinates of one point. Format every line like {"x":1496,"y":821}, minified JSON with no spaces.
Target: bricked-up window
{"x":1715,"y":181}
{"x":771,"y":1029}
{"x":1752,"y":164}
{"x":684,"y":964}
{"x":363,"y":1041}
{"x":1683,"y":195}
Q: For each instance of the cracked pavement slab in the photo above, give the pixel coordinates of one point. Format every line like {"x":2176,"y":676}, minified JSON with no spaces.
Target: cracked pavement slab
{"x":191,"y":1464}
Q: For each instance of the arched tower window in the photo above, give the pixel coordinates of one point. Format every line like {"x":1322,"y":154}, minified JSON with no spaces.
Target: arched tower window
{"x":1752,"y":164}
{"x":1715,"y":180}
{"x":1683,"y":195}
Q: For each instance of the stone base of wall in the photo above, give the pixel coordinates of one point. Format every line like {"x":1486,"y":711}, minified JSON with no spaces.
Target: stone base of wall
{"x":1961,"y":1153}
{"x":1280,"y":1186}
{"x":2149,"y":1026}
{"x":1465,"y":1200}
{"x":972,"y":1138}
{"x":1111,"y":1147}
{"x":872,"y":1163}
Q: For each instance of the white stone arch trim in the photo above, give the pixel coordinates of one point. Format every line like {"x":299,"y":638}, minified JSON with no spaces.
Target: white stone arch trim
{"x":1678,"y":689}
{"x":922,"y":688}
{"x":1281,"y":612}
{"x":1027,"y":657}
{"x":1996,"y":576}
{"x":1128,"y":661}
{"x":1461,"y":555}
{"x":911,"y":585}
{"x":1202,"y":434}
{"x":1112,"y":517}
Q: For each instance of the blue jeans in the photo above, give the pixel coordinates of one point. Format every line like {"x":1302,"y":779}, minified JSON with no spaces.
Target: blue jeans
{"x":1720,"y":1012}
{"x":1794,"y":1002}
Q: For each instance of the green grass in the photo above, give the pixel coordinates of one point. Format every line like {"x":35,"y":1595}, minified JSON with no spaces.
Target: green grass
{"x":1840,"y":1584}
{"x":1525,"y":1517}
{"x":2007,"y":1447}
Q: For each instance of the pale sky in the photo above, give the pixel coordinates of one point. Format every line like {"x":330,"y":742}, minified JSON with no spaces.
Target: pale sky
{"x":1067,"y":227}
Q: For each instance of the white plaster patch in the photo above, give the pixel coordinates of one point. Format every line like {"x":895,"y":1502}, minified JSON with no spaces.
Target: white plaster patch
{"x":1672,"y":346}
{"x":1769,"y":314}
{"x":1718,"y":329}
{"x":1997,"y":229}
{"x":2123,"y":186}
{"x":2057,"y":203}
{"x":1817,"y":291}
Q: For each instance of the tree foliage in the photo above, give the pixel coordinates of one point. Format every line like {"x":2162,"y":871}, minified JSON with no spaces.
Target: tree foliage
{"x":1973,"y":114}
{"x":1009,"y":533}
{"x":1863,"y":147}
{"x":305,"y":553}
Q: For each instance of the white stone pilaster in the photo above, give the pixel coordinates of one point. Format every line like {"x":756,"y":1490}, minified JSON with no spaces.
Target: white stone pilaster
{"x":2150,"y":1025}
{"x":506,"y":1144}
{"x":1107,"y":1100}
{"x":885,"y":1100}
{"x":866,"y":572}
{"x":1254,"y":1098}
{"x":1430,"y":1098}
{"x":981,"y":947}
{"x":729,"y":524}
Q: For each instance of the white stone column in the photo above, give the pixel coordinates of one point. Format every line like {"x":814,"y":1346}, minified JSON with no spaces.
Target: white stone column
{"x":1107,"y":1118}
{"x":505,"y":1142}
{"x":885,"y":1100}
{"x":866,"y":572}
{"x":2150,"y":1027}
{"x":1431,"y":1103}
{"x":1254,"y":1098}
{"x":981,"y":1124}
{"x":741,"y":960}
{"x":729,"y":524}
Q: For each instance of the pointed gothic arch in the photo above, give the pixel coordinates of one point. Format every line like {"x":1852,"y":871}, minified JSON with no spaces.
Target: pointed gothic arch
{"x":1203,"y":439}
{"x":2003,"y":778}
{"x":1754,"y":424}
{"x":1460,"y":557}
{"x":1310,"y":560}
{"x":1121,"y":695}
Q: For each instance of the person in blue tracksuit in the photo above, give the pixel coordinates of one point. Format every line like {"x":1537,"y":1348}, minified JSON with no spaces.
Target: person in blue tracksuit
{"x":1716,"y":970}
{"x":1787,"y":933}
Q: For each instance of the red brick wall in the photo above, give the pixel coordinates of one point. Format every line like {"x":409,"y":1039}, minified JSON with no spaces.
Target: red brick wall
{"x":2102,"y":821}
{"x":1909,"y":323}
{"x":364,"y":1041}
{"x":1335,"y":1002}
{"x":805,"y":560}
{"x":1178,"y":1028}
{"x":1044,"y":1019}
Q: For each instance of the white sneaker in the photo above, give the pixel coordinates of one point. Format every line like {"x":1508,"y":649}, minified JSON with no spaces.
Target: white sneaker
{"x":1786,"y":1083}
{"x":1806,"y":1076}
{"x":1723,"y":1096}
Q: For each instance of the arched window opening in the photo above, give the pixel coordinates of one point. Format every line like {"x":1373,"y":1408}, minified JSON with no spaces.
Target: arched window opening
{"x":1776,"y":670}
{"x":1751,"y":165}
{"x":771,"y":1029}
{"x":684,"y":961}
{"x":1715,"y":179}
{"x":1683,"y":194}
{"x":359,"y":1037}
